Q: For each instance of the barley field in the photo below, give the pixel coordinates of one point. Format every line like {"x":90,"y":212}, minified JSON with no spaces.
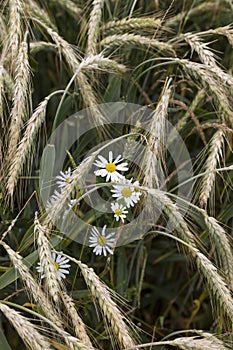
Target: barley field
{"x":116,"y":174}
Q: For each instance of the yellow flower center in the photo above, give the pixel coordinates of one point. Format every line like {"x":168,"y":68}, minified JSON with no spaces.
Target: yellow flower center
{"x":118,"y":212}
{"x":136,"y":189}
{"x":126,"y":192}
{"x":102,"y":240}
{"x":110,"y":167}
{"x":68,"y":180}
{"x":56,"y":265}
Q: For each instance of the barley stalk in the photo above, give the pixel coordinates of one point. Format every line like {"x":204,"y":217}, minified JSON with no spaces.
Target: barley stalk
{"x":79,"y":326}
{"x":46,"y":260}
{"x":60,"y":202}
{"x":155,"y":152}
{"x":27,"y":331}
{"x":32,"y":9}
{"x":20,"y":99}
{"x":15,"y":30}
{"x":206,"y":56}
{"x":94,"y":27}
{"x":136,"y":24}
{"x":26,"y":144}
{"x":195,"y":11}
{"x":3,"y":29}
{"x":215,"y":282}
{"x":2,"y":96}
{"x":135,"y":40}
{"x":33,"y":287}
{"x":196,"y":343}
{"x":107,"y":305}
{"x":223,"y":248}
{"x":227,"y":31}
{"x":36,"y":46}
{"x":213,"y":159}
{"x":85,"y":87}
{"x":208,"y":78}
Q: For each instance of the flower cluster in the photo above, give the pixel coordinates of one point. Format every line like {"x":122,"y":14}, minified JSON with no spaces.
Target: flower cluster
{"x":125,"y":192}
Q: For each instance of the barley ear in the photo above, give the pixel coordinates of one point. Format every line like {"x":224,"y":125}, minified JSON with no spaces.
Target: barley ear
{"x":94,"y":27}
{"x":20,"y":102}
{"x":77,"y":322}
{"x":24,"y":149}
{"x":155,"y":153}
{"x":109,"y":308}
{"x":27,"y":331}
{"x":32,"y":286}
{"x":46,"y":261}
{"x":213,"y":159}
{"x":223,"y":248}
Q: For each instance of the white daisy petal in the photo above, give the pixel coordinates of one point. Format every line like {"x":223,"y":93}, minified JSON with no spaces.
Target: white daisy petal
{"x":101,"y":242}
{"x":64,"y":271}
{"x":109,"y":250}
{"x":109,"y":169}
{"x":118,"y":159}
{"x":61,"y":263}
{"x":110,"y":157}
{"x":103,"y":160}
{"x":61,"y":275}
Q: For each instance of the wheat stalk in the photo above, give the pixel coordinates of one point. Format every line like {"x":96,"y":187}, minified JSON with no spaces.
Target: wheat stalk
{"x":2,"y":96}
{"x":14,"y":30}
{"x":20,"y":99}
{"x":208,"y":78}
{"x":94,"y":27}
{"x":213,"y":159}
{"x":36,"y":46}
{"x":85,"y":87}
{"x":154,"y":158}
{"x":3,"y":29}
{"x":26,"y":144}
{"x":227,"y":31}
{"x":107,"y":305}
{"x":135,"y":24}
{"x":195,"y":11}
{"x":215,"y":282}
{"x":32,"y":9}
{"x":206,"y":56}
{"x":79,"y":326}
{"x":196,"y":343}
{"x":223,"y":248}
{"x":135,"y":40}
{"x":46,"y":261}
{"x":27,"y":331}
{"x":60,"y":202}
{"x":32,"y":286}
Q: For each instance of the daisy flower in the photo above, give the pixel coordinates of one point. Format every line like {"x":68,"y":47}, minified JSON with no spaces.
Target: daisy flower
{"x":101,"y":242}
{"x":61,"y":264}
{"x":110,"y":167}
{"x":119,"y":211}
{"x":64,"y":178}
{"x":128,"y":191}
